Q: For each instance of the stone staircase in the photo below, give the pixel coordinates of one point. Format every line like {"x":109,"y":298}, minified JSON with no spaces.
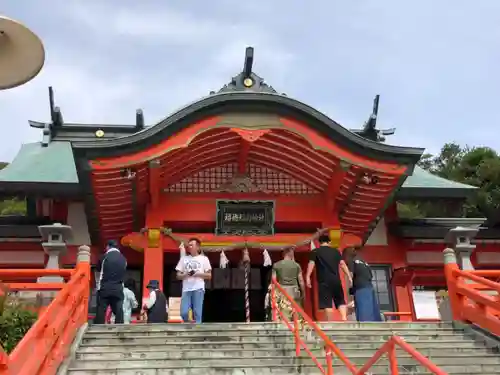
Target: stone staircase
{"x":268,"y":348}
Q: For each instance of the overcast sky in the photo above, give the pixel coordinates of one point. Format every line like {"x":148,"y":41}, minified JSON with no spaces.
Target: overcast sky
{"x":435,"y":63}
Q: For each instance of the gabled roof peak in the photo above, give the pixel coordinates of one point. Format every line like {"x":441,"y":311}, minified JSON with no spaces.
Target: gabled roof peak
{"x":247,"y":80}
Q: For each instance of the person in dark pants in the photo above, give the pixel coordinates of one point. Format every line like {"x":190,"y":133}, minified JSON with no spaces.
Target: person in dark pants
{"x":327,"y":261}
{"x":366,"y":305}
{"x":112,"y":269}
{"x":156,"y":305}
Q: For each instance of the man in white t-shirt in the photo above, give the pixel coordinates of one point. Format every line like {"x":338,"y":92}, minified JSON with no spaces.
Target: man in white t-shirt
{"x":193,"y":269}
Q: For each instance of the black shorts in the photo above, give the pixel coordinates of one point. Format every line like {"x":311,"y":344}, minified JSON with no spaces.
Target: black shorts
{"x":330,"y":294}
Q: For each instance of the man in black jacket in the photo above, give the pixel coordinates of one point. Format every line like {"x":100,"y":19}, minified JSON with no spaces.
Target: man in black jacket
{"x":112,"y":269}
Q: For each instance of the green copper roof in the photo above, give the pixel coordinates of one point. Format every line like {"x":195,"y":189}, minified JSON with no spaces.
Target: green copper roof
{"x":37,"y":164}
{"x":55,"y":164}
{"x":424,"y":184}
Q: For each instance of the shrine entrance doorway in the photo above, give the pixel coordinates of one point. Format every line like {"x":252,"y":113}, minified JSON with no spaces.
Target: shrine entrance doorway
{"x":225,"y":293}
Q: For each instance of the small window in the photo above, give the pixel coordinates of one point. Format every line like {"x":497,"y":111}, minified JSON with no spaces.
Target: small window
{"x":382,"y":286}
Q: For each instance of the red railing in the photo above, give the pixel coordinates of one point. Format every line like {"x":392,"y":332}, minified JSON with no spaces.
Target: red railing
{"x":330,"y":348}
{"x":469,"y":301}
{"x":47,"y":343}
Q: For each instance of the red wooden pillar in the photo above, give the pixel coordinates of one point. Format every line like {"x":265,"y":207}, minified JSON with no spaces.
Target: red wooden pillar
{"x":153,"y":259}
{"x":413,"y":316}
{"x":153,"y":253}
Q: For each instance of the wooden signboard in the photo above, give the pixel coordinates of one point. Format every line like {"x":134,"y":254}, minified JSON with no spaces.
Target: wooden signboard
{"x":245,"y":218}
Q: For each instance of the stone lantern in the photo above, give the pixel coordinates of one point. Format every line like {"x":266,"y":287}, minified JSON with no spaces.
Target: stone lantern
{"x":459,"y":239}
{"x":54,"y":239}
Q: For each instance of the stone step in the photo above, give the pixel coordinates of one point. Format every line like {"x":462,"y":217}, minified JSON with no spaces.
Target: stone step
{"x":271,"y":352}
{"x":263,"y":325}
{"x":458,"y":345}
{"x":148,"y":340}
{"x":221,"y":370}
{"x":273,"y":368}
{"x":276,"y":360}
{"x":250,"y":371}
{"x":235,"y":332}
{"x":285,"y":370}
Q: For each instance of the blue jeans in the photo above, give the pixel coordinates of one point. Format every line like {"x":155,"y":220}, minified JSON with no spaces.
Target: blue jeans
{"x":366,"y":305}
{"x":192,"y":300}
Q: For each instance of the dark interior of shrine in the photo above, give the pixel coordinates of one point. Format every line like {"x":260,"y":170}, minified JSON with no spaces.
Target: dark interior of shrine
{"x":225,"y":293}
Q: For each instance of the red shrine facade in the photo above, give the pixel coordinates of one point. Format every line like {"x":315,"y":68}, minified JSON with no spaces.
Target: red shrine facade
{"x":245,"y":167}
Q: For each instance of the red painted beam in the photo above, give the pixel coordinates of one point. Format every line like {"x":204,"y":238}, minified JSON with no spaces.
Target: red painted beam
{"x":154,"y":183}
{"x":243,"y":156}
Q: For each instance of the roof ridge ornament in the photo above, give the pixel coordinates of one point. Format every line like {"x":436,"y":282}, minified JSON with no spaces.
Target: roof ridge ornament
{"x":247,"y":80}
{"x":56,"y":118}
{"x":241,"y":183}
{"x":370,"y":130}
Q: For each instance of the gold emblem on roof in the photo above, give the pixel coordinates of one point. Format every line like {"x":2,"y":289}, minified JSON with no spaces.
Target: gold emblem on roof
{"x":248,"y":82}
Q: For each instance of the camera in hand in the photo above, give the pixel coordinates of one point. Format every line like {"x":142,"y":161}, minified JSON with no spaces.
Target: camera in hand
{"x":191,"y":273}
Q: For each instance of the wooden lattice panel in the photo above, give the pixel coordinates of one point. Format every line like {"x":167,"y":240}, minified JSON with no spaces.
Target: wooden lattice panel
{"x":212,"y":179}
{"x":277,"y":182}
{"x":205,"y":181}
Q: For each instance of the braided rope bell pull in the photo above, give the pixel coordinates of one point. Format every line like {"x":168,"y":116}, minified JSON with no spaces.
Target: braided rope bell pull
{"x":246,"y":264}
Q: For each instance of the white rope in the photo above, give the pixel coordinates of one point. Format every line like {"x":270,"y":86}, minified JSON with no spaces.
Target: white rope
{"x":267,"y":258}
{"x":223,"y":262}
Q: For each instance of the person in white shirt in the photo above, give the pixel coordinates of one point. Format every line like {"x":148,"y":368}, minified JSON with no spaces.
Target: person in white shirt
{"x":193,"y":269}
{"x":129,"y":302}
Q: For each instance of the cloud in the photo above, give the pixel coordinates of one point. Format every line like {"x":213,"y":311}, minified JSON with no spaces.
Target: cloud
{"x":434,"y":63}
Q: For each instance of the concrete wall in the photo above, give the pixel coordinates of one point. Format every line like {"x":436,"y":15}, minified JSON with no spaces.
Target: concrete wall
{"x":77,"y":219}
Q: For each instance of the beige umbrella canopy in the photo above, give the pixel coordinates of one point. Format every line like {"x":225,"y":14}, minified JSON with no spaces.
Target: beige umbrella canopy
{"x":21,"y":54}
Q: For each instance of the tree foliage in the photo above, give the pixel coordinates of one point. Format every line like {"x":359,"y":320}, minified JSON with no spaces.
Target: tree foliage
{"x":12,"y":206}
{"x":15,"y":320}
{"x":476,"y":166}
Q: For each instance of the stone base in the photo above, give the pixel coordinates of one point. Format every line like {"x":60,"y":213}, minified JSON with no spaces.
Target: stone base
{"x":37,"y":299}
{"x":445,"y":310}
{"x":50,"y":279}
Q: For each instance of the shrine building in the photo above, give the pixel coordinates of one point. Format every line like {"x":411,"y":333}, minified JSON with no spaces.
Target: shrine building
{"x":244,"y":167}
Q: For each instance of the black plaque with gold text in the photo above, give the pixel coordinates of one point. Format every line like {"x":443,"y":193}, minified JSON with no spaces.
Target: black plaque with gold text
{"x":245,"y":218}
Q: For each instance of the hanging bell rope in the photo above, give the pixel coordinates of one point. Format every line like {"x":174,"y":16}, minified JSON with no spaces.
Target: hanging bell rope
{"x":246,"y":264}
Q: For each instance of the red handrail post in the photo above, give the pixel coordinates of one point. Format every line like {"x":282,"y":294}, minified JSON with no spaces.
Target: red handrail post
{"x":83,"y":265}
{"x":296,"y":332}
{"x":273,"y":301}
{"x":329,"y":361}
{"x":393,"y":361}
{"x":4,"y":362}
{"x":450,"y":265}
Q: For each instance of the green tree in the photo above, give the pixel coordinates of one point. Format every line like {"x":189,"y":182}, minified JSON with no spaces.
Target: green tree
{"x":476,"y":166}
{"x":12,"y":206}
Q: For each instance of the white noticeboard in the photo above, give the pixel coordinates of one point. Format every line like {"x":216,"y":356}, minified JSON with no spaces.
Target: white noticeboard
{"x":425,"y":304}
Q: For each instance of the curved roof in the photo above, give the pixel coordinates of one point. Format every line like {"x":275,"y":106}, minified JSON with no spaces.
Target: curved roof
{"x":255,"y":102}
{"x":423,"y":184}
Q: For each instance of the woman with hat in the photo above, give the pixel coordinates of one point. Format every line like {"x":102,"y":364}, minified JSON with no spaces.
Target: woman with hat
{"x":156,"y":306}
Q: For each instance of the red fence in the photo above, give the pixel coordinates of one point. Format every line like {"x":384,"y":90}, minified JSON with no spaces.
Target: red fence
{"x":473,"y":297}
{"x":47,"y":343}
{"x":388,"y":348}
